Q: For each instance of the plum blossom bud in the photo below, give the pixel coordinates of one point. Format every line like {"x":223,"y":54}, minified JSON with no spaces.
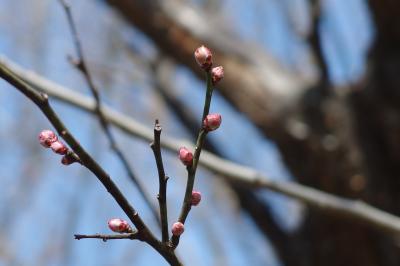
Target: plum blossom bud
{"x":47,"y":137}
{"x":59,"y":147}
{"x":196,"y":197}
{"x":119,"y":225}
{"x":217,"y":73}
{"x":185,"y":156}
{"x":177,"y":229}
{"x":212,"y":122}
{"x":203,"y":57}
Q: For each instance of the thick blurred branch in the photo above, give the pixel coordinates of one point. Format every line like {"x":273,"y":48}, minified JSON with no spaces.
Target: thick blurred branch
{"x":256,"y":85}
{"x":316,"y":199}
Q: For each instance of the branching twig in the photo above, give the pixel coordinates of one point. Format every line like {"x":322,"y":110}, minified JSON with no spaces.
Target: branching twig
{"x":162,"y":178}
{"x":81,"y":65}
{"x":187,"y":201}
{"x":41,"y":100}
{"x":319,"y":200}
{"x":130,"y":236}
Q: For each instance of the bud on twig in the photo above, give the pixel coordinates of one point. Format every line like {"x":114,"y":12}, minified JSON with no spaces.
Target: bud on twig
{"x":47,"y":137}
{"x":119,"y":226}
{"x":185,"y":156}
{"x":69,"y":158}
{"x":212,"y":122}
{"x":217,"y":73}
{"x":177,"y":229}
{"x":203,"y":57}
{"x":59,"y":147}
{"x":196,"y":197}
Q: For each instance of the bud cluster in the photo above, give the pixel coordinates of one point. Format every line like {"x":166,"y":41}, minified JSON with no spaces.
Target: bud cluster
{"x":49,"y":139}
{"x":203,"y":56}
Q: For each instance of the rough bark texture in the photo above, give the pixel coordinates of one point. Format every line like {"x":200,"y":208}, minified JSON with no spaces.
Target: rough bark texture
{"x":344,"y":144}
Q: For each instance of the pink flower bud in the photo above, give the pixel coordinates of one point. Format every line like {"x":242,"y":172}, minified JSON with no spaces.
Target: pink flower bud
{"x":177,"y":229}
{"x":217,"y":73}
{"x":119,"y":225}
{"x":196,"y":197}
{"x":185,"y":156}
{"x":47,"y":137}
{"x":203,"y":57}
{"x":59,"y":147}
{"x":212,"y":122}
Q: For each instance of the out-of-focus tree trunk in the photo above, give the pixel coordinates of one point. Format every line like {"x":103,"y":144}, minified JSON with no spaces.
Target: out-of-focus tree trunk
{"x":346,"y":144}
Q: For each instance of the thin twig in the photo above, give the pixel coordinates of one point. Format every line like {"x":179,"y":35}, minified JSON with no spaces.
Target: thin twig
{"x":130,"y":236}
{"x":162,"y":178}
{"x":41,"y":100}
{"x":314,"y":198}
{"x":81,"y":65}
{"x":187,"y":201}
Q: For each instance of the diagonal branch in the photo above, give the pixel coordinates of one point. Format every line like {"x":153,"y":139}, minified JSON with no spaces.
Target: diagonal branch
{"x":314,"y":198}
{"x":41,"y":100}
{"x":187,"y":201}
{"x":81,"y":65}
{"x":162,"y":178}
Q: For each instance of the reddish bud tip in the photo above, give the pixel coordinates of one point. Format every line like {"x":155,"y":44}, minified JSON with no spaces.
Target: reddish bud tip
{"x":203,"y":57}
{"x":59,"y":147}
{"x":212,"y":122}
{"x":196,"y":197}
{"x":177,"y":229}
{"x":119,"y":226}
{"x":68,"y":159}
{"x":217,"y":73}
{"x":47,"y":137}
{"x":185,"y":156}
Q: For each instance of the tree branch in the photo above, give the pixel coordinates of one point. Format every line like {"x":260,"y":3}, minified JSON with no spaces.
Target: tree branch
{"x":41,"y":100}
{"x":130,"y":236}
{"x":81,"y":65}
{"x":187,"y":201}
{"x":319,"y":200}
{"x":162,"y":178}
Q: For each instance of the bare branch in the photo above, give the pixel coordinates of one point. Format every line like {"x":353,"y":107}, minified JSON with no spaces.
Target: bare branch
{"x":319,"y":200}
{"x":81,"y":65}
{"x":162,"y":178}
{"x":130,"y":236}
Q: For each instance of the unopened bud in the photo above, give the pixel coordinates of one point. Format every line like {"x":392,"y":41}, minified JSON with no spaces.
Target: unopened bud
{"x":47,"y":137}
{"x":119,"y":225}
{"x":196,"y":197}
{"x":185,"y":156}
{"x":217,"y":73}
{"x":177,"y":229}
{"x":68,"y":159}
{"x":212,"y":122}
{"x":203,"y":57}
{"x":59,"y":147}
